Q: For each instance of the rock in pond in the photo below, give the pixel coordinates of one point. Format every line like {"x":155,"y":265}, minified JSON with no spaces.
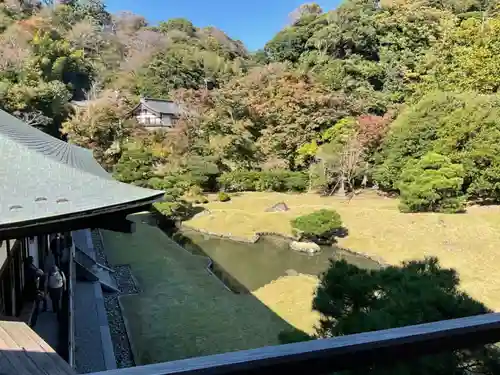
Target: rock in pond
{"x":291,"y":272}
{"x":305,"y":247}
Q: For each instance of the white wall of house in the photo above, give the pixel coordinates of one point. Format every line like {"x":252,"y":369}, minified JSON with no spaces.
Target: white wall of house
{"x":150,"y":119}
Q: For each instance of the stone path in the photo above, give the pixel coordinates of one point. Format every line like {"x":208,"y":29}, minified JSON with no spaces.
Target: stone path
{"x":126,"y":285}
{"x":47,"y":326}
{"x":90,"y":353}
{"x":94,"y":347}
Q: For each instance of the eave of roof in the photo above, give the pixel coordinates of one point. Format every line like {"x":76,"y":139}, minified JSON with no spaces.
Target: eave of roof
{"x":160,"y":106}
{"x":100,"y":218}
{"x":43,"y":179}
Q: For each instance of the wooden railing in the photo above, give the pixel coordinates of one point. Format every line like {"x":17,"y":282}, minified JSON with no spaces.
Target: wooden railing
{"x":340,"y":353}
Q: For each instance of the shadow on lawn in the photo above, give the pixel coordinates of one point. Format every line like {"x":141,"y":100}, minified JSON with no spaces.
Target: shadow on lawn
{"x":328,"y":238}
{"x":244,"y":323}
{"x":289,"y":334}
{"x":229,"y":281}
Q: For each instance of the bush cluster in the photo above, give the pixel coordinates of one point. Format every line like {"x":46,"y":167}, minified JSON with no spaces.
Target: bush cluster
{"x":432,"y":184}
{"x":274,"y":180}
{"x":223,"y":197}
{"x":464,"y":127}
{"x":320,"y":226}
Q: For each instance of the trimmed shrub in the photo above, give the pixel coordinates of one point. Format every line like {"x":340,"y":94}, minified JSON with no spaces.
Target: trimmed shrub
{"x":176,"y":210}
{"x":134,"y":166}
{"x":223,"y":197}
{"x":194,"y":191}
{"x":273,"y":180}
{"x":433,"y":184}
{"x":297,"y":182}
{"x":238,"y":180}
{"x":200,"y":199}
{"x":174,"y":184}
{"x":319,"y":226}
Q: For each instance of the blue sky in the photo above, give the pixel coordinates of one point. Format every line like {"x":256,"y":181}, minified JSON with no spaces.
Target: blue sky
{"x":252,"y":21}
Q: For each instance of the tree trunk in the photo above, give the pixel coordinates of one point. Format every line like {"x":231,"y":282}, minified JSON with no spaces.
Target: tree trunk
{"x":341,"y":191}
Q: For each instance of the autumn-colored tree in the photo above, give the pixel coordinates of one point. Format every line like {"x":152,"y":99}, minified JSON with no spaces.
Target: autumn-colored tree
{"x":99,"y":126}
{"x":289,"y":109}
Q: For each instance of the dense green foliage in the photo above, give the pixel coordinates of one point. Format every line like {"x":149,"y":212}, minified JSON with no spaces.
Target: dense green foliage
{"x":432,"y":183}
{"x":273,"y":180}
{"x":464,"y":127}
{"x":319,"y":226}
{"x":335,"y":101}
{"x":353,"y":300}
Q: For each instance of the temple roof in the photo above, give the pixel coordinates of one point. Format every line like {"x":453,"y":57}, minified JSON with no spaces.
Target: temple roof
{"x":43,"y":178}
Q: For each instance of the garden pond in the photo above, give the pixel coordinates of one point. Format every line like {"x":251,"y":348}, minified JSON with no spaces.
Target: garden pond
{"x":249,"y":266}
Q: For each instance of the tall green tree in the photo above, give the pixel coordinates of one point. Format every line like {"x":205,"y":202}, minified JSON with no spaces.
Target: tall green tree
{"x":353,"y":300}
{"x":463,"y":127}
{"x":467,"y":59}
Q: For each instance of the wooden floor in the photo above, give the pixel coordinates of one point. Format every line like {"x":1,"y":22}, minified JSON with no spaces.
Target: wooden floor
{"x":23,"y":352}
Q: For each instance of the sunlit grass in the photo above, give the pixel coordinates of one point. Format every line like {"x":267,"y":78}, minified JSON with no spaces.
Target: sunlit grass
{"x":291,"y":298}
{"x":467,"y":242}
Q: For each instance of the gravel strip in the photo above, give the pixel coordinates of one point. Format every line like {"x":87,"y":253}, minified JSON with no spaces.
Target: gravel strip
{"x":121,"y":346}
{"x":124,"y":280}
{"x":99,"y":248}
{"x":126,"y":285}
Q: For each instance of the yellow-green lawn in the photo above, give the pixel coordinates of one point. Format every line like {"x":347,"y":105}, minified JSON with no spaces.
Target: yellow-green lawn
{"x":182,"y":310}
{"x":469,"y":242}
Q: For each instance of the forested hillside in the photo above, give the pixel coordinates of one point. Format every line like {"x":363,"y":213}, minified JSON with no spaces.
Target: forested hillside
{"x":397,"y":94}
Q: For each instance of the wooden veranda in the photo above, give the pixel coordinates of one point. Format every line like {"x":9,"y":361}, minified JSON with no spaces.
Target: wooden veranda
{"x":23,"y":352}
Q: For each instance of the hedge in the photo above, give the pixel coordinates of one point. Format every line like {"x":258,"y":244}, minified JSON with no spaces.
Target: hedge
{"x":275,"y":180}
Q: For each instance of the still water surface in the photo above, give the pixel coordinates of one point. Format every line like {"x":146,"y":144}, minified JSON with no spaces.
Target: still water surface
{"x":255,"y":265}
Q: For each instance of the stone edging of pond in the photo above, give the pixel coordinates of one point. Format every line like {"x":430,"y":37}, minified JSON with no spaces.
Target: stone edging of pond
{"x":210,"y":267}
{"x":257,"y":236}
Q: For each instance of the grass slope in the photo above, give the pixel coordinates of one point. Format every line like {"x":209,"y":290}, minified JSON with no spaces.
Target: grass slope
{"x":467,"y":242}
{"x":183,"y":311}
{"x":291,"y":298}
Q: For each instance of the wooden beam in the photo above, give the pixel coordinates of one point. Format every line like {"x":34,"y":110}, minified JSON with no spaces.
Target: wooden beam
{"x":336,"y":354}
{"x":68,"y":224}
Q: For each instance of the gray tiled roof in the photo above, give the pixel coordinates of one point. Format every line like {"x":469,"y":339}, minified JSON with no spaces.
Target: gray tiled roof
{"x":161,"y":106}
{"x":42,"y":177}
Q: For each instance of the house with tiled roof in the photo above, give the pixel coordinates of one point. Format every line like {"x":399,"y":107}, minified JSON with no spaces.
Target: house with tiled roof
{"x":156,"y":113}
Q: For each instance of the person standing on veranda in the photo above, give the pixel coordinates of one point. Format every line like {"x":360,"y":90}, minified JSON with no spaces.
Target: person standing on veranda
{"x":32,"y":278}
{"x":55,"y":285}
{"x":56,"y":247}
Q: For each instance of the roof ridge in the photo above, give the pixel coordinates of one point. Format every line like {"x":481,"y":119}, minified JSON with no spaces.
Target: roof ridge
{"x":58,"y":155}
{"x":43,"y":144}
{"x":158,"y":100}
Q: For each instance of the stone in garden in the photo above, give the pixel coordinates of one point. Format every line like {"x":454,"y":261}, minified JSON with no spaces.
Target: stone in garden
{"x":278,"y":207}
{"x":305,"y":247}
{"x":291,"y":272}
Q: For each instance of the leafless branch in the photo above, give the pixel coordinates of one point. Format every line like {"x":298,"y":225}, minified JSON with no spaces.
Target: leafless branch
{"x":33,"y":118}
